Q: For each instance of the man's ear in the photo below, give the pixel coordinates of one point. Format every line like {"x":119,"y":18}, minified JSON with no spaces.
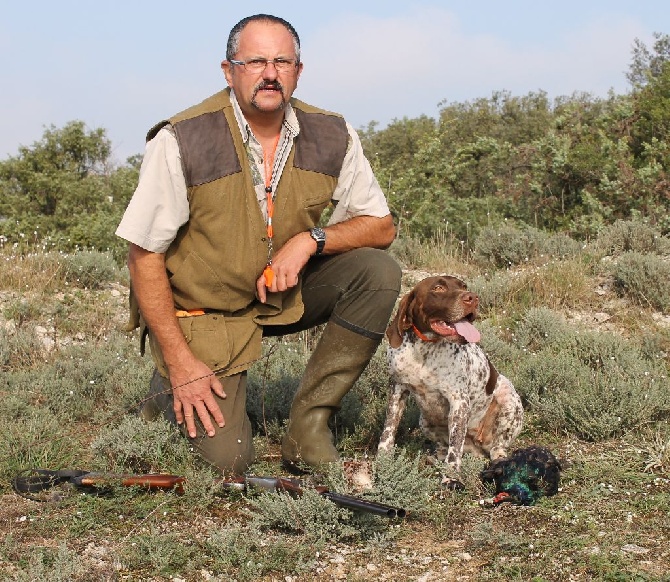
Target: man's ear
{"x":227,"y":69}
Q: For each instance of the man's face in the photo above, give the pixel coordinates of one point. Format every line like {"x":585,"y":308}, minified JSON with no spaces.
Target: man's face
{"x":267,"y":91}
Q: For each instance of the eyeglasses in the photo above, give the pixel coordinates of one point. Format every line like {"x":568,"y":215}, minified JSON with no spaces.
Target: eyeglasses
{"x":258,"y":65}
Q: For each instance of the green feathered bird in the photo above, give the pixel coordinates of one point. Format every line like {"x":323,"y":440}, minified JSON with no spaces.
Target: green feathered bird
{"x":525,"y":476}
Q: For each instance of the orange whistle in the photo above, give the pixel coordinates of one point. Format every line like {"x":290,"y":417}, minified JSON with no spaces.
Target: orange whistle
{"x":269,"y":275}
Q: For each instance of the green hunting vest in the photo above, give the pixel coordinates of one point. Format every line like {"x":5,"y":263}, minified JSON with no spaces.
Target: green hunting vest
{"x":218,"y":255}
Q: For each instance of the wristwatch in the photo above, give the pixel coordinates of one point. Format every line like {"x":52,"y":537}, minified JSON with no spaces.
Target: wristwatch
{"x":319,"y":236}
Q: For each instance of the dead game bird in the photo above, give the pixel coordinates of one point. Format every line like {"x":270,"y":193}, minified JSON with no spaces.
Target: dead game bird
{"x":523,"y":477}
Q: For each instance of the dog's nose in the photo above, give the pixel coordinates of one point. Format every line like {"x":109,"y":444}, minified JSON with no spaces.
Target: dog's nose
{"x":470,"y":299}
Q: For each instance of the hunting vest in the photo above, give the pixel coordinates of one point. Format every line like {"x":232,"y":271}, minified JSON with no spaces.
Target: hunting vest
{"x":218,"y":255}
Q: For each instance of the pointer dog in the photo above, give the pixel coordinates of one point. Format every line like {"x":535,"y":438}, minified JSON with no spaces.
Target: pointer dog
{"x":465,"y":404}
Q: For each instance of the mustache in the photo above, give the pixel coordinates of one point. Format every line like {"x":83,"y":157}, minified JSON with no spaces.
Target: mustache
{"x":275,"y":85}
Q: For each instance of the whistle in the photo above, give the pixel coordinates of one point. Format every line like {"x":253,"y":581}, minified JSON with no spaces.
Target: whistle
{"x":269,"y":275}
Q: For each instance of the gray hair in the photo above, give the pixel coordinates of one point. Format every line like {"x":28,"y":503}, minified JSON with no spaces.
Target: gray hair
{"x":234,"y":38}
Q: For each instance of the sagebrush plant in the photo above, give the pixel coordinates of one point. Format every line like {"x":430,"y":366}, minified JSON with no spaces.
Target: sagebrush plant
{"x":643,"y":278}
{"x":630,"y":236}
{"x":398,"y":479}
{"x":58,"y":564}
{"x":90,"y":269}
{"x":247,"y":552}
{"x":505,"y":246}
{"x":136,"y":445}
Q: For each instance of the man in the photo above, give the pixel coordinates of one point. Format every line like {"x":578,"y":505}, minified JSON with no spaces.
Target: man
{"x":225,"y":248}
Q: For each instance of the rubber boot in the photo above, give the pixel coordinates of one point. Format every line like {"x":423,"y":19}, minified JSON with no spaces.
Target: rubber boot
{"x":333,"y":368}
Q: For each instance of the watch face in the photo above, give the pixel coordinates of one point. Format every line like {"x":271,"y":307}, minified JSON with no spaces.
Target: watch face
{"x":319,"y":236}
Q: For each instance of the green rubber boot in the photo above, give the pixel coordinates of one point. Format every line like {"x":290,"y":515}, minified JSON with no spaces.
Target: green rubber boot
{"x":333,"y":368}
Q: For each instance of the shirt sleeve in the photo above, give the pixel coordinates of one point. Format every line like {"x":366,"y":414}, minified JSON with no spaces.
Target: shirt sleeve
{"x":159,"y":205}
{"x":357,"y":192}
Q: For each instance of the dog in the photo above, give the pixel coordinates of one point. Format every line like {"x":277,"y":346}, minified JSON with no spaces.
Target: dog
{"x":434,"y":354}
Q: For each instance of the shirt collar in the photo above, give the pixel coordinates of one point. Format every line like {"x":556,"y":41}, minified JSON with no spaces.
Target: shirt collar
{"x":290,"y":119}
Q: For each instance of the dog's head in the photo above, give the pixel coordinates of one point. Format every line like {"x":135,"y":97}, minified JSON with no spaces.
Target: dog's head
{"x":440,"y":306}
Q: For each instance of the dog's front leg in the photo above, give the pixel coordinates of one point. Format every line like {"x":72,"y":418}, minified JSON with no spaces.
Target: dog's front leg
{"x":394,"y":411}
{"x":459,"y":411}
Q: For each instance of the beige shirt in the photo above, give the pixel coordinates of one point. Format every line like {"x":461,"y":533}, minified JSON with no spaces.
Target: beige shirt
{"x":159,"y":206}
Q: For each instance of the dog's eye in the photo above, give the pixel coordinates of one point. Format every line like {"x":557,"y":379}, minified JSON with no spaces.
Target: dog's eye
{"x":439,"y":288}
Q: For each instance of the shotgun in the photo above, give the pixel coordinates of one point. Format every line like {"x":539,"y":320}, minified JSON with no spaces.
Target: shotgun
{"x":32,"y":481}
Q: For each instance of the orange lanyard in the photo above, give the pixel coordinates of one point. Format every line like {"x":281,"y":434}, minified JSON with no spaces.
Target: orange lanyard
{"x":268,"y":164}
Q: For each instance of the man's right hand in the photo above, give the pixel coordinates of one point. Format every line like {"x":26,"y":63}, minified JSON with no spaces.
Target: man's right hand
{"x":192,"y":388}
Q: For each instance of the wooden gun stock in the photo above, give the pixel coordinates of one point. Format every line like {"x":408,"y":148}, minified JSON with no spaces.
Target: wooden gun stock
{"x":150,"y":481}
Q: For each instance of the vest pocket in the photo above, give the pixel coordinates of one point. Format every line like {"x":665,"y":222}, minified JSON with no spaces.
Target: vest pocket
{"x":207,"y":338}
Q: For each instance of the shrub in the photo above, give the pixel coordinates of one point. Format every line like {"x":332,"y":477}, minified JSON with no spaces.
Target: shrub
{"x":273,"y":381}
{"x":604,"y":406}
{"x":139,"y":446}
{"x":247,"y":553}
{"x":596,"y":386}
{"x":643,"y":278}
{"x":397,"y":479}
{"x":541,"y":327}
{"x":90,"y":269}
{"x":506,"y":246}
{"x":548,"y":372}
{"x":630,"y":236}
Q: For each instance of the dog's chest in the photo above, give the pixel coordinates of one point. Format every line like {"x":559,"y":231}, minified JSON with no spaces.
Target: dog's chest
{"x":439,"y":370}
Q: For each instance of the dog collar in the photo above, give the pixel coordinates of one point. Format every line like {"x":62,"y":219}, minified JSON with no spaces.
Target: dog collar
{"x":424,"y":337}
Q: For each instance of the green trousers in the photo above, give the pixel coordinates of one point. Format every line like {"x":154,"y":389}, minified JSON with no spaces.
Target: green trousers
{"x":356,"y":290}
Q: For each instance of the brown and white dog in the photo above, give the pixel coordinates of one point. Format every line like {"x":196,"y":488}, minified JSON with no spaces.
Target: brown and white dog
{"x":433,"y":353}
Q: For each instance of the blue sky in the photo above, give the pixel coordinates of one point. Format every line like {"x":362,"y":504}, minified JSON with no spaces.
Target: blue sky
{"x":125,"y":65}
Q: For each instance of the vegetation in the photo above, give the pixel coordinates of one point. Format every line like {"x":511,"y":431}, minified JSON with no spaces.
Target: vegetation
{"x":585,"y":346}
{"x":555,"y":213}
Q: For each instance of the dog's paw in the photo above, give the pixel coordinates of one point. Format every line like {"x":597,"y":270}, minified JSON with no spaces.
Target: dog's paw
{"x":451,"y":484}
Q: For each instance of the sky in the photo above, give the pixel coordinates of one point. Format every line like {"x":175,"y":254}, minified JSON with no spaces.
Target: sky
{"x":125,"y":65}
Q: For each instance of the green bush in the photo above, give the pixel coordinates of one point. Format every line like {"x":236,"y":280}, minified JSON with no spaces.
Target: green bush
{"x":604,"y":406}
{"x":540,"y":327}
{"x":246,"y":552}
{"x":506,"y":246}
{"x":135,"y":445}
{"x":644,"y":278}
{"x":90,"y":269}
{"x":630,"y":236}
{"x":595,"y":386}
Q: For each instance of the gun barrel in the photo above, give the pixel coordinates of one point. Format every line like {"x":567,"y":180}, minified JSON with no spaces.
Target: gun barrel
{"x":295,"y":488}
{"x":365,"y":505}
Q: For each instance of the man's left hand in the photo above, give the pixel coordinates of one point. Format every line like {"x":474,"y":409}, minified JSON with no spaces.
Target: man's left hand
{"x":286,"y":265}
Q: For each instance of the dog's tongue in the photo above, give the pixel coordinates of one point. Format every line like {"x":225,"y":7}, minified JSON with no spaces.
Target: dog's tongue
{"x":467,"y":330}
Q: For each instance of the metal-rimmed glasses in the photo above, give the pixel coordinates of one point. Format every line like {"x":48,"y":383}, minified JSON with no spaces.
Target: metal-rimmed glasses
{"x":258,"y":65}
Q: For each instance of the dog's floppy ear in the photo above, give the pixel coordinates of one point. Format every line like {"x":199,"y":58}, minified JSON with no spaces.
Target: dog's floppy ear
{"x":401,"y":322}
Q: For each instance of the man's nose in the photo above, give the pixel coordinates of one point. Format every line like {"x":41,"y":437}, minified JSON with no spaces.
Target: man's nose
{"x":270,"y":71}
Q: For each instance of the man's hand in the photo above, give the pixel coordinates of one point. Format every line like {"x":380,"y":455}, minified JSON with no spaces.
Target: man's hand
{"x":192,"y":388}
{"x":354,"y":233}
{"x":287,"y":264}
